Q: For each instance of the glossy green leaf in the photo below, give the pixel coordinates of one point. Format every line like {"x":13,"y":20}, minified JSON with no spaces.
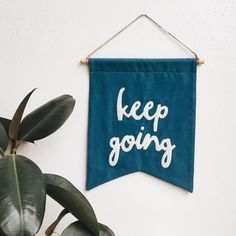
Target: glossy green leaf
{"x":77,"y":229}
{"x":46,"y":119}
{"x":6,"y":123}
{"x":15,"y":122}
{"x":105,"y":230}
{"x":62,"y":191}
{"x":3,"y":139}
{"x":22,"y":196}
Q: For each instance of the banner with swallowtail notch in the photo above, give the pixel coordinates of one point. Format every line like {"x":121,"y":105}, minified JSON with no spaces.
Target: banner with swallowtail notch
{"x":142,"y":118}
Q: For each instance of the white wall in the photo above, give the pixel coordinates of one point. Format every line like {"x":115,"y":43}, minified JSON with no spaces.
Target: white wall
{"x":41,"y":43}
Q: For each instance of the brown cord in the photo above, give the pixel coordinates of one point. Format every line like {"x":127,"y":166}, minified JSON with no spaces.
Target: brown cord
{"x":85,"y":61}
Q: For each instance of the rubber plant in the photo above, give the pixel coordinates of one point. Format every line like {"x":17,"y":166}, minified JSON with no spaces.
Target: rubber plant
{"x":23,"y":186}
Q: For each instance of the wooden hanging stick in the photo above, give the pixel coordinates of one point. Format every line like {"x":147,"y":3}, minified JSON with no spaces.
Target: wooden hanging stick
{"x":85,"y":60}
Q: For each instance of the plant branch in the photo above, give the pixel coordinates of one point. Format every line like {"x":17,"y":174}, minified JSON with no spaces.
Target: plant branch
{"x":1,"y":153}
{"x":52,"y":227}
{"x":13,"y":147}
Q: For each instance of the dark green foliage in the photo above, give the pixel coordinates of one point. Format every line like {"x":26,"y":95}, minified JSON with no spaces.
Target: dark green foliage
{"x":23,"y":195}
{"x":77,"y":229}
{"x":23,"y":187}
{"x":3,"y":140}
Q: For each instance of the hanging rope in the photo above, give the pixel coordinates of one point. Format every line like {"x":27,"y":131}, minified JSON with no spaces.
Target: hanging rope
{"x":85,"y":61}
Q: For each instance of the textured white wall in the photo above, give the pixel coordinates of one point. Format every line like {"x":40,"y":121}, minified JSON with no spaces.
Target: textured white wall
{"x":41,"y":43}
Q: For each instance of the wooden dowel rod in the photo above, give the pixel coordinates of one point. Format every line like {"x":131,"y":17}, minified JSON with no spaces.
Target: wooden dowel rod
{"x":200,"y":61}
{"x":85,"y":61}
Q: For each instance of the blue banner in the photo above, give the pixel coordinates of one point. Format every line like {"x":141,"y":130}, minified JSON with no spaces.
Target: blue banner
{"x":142,"y":118}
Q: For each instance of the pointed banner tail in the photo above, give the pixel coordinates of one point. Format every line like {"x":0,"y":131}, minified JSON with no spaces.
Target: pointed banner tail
{"x":142,"y":118}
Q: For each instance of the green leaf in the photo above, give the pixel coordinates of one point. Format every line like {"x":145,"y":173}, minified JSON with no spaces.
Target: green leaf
{"x":3,"y":139}
{"x":15,"y":122}
{"x":105,"y":230}
{"x":6,"y":123}
{"x":62,"y":191}
{"x":22,"y":196}
{"x":46,"y":119}
{"x":77,"y":229}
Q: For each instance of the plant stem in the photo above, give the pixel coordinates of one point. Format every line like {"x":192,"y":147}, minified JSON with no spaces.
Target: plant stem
{"x":52,"y":227}
{"x":13,"y":147}
{"x":1,"y":153}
